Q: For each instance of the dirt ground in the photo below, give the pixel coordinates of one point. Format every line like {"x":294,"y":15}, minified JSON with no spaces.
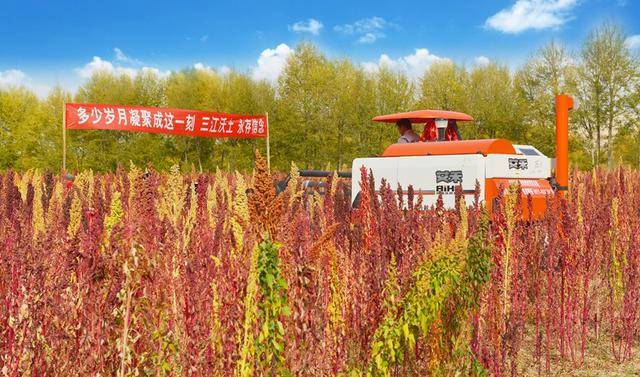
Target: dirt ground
{"x":599,"y":361}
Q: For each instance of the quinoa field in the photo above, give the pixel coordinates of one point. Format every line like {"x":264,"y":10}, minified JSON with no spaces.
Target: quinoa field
{"x":140,"y":272}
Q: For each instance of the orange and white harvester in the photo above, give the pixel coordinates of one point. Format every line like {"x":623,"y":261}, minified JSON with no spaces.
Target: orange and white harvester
{"x":438,"y":167}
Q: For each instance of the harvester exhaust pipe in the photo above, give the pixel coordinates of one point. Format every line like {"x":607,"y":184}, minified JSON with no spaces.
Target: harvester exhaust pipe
{"x":564,"y":103}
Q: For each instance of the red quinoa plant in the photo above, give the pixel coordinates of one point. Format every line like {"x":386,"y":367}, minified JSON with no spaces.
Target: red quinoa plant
{"x":144,"y":272}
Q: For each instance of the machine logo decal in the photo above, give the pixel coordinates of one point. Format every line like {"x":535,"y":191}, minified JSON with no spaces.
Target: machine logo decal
{"x":518,"y":163}
{"x":450,"y":178}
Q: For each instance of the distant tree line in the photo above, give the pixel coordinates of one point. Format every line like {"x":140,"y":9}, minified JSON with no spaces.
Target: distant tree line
{"x":320,"y":110}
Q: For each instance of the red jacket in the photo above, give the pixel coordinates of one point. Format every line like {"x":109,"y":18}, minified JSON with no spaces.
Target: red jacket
{"x":430,"y":133}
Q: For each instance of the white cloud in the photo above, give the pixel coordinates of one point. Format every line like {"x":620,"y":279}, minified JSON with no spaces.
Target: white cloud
{"x":17,"y":78}
{"x":97,"y":64}
{"x":370,"y":67}
{"x":368,"y":30}
{"x":155,"y":71}
{"x":363,"y":26}
{"x":412,"y":65}
{"x":481,"y":61}
{"x":368,"y":38}
{"x":632,"y":42}
{"x":122,"y":57}
{"x":202,"y":67}
{"x":532,"y":14}
{"x":271,"y":62}
{"x":311,"y":26}
{"x":12,"y":77}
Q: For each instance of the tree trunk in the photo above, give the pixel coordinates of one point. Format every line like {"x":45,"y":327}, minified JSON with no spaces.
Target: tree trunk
{"x":638,"y":143}
{"x":340,"y":137}
{"x":610,"y":143}
{"x":592,"y":152}
{"x":199,"y":159}
{"x":598,"y":129}
{"x":186,"y":150}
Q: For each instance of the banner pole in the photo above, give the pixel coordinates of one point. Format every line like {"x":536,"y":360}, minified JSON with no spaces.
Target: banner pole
{"x":64,"y":137}
{"x":268,"y":145}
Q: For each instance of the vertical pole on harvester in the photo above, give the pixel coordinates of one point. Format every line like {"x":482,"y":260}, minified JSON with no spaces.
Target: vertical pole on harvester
{"x":564,"y":103}
{"x":64,"y":136}
{"x":268,"y":146}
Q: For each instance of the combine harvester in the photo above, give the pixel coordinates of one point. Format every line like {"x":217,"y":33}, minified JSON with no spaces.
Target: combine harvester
{"x":435,"y":168}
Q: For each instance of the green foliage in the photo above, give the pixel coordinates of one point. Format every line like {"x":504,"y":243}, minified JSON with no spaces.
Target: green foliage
{"x":608,"y":75}
{"x":245,"y":365}
{"x":391,"y":288}
{"x":455,"y":276}
{"x":114,"y":217}
{"x":30,"y":131}
{"x":494,"y":103}
{"x":445,"y":86}
{"x":434,"y":282}
{"x":478,"y":260}
{"x":545,"y":75}
{"x":265,"y":305}
{"x":271,"y":308}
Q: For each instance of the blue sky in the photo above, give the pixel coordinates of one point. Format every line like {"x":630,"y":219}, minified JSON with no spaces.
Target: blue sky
{"x":44,"y":43}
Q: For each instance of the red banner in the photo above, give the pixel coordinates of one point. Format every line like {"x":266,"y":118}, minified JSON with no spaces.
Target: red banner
{"x":163,"y":121}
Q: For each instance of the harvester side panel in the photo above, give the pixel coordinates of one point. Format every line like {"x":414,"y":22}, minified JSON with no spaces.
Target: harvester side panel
{"x":534,"y":191}
{"x":429,"y":176}
{"x":386,"y":168}
{"x":518,"y":166}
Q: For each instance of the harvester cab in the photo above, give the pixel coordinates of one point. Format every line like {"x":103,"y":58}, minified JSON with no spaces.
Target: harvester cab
{"x":442,"y":161}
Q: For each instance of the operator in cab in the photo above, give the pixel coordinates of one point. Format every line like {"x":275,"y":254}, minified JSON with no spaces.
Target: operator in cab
{"x":407,"y":135}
